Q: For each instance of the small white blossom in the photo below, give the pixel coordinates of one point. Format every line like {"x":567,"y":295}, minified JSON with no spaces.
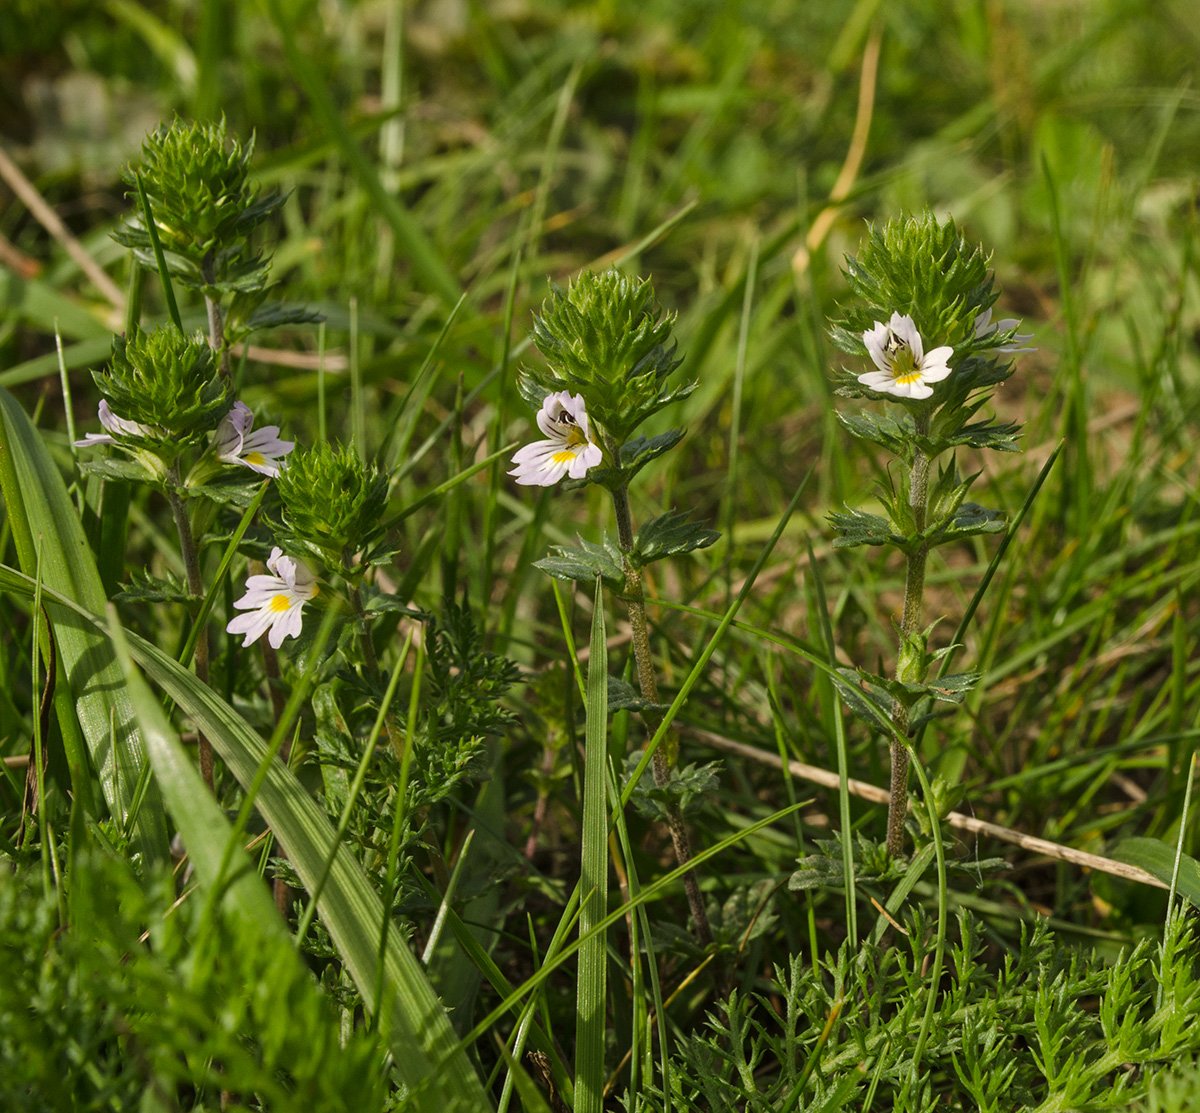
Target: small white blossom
{"x":273,"y":603}
{"x":116,"y":426}
{"x":260,"y":450}
{"x":568,"y":449}
{"x":984,"y":328}
{"x":904,"y":369}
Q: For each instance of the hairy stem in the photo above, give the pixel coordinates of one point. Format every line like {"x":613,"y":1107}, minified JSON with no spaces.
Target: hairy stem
{"x":191,"y":566}
{"x":910,"y":622}
{"x":664,"y":756}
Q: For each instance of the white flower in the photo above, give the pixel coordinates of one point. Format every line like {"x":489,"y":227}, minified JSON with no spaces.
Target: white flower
{"x":116,"y":426}
{"x":259,"y":451}
{"x":984,"y":328}
{"x":904,"y":368}
{"x":273,"y":603}
{"x":568,"y":451}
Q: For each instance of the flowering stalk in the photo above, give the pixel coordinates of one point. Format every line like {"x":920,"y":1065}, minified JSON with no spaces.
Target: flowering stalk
{"x":610,"y":361}
{"x":910,"y":623}
{"x":924,"y":318}
{"x":664,"y":756}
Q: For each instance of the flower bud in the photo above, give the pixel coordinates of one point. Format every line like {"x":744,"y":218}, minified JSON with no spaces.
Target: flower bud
{"x":204,"y":207}
{"x":168,"y":383}
{"x":331,"y":500}
{"x":605,"y":338}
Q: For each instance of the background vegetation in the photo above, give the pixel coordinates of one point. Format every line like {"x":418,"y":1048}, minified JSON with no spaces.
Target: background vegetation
{"x":732,"y":151}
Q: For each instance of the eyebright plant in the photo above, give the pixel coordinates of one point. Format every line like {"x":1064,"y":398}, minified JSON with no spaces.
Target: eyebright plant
{"x":196,"y":201}
{"x":331,"y":508}
{"x":922,"y":313}
{"x":610,"y":364}
{"x":161,"y":390}
{"x":331,"y":504}
{"x":205,"y":205}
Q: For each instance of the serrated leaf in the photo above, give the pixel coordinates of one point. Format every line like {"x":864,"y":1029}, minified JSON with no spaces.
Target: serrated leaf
{"x":668,"y":535}
{"x":233,"y":492}
{"x":637,"y":452}
{"x":857,"y":527}
{"x":582,"y":563}
{"x":279,"y":314}
{"x":865,"y":696}
{"x":144,"y":588}
{"x":885,"y":431}
{"x":998,"y":436}
{"x":952,"y":688}
{"x":685,"y":785}
{"x":970,"y":519}
{"x":623,"y":696}
{"x":386,"y":602}
{"x":113,"y":467}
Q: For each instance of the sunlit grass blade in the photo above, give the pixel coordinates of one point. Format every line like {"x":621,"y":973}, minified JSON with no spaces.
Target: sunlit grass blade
{"x":42,"y":516}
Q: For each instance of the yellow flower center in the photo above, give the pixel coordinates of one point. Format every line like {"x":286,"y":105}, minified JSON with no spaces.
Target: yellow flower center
{"x":280,"y":603}
{"x":563,"y":457}
{"x":904,"y":367}
{"x":254,"y":458}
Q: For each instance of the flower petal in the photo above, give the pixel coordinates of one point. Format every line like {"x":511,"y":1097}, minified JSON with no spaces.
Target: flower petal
{"x":902,"y":326}
{"x":875,"y":339}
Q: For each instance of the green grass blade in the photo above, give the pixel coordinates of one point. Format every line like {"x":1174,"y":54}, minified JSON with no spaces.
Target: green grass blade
{"x":410,"y":237}
{"x":411,"y":1018}
{"x":201,"y":823}
{"x":41,"y":513}
{"x":590,"y":985}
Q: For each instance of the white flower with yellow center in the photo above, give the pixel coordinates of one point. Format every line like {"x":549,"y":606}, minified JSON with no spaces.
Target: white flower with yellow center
{"x":904,"y":369}
{"x":116,"y":426}
{"x":985,"y":328}
{"x":260,"y":450}
{"x":273,"y":604}
{"x":568,"y":449}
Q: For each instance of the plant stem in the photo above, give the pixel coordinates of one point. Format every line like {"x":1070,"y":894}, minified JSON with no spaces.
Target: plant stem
{"x":191,"y":567}
{"x":216,"y":326}
{"x":360,"y":614}
{"x":910,"y":622}
{"x":635,"y":601}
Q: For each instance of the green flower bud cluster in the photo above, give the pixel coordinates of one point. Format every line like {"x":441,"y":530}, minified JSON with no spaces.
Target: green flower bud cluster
{"x":925,"y":269}
{"x":606,"y":338}
{"x":332,"y":503}
{"x":204,"y":205}
{"x":168,"y":382}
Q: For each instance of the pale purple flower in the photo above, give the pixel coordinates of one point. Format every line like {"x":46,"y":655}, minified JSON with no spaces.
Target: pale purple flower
{"x":568,"y":449}
{"x":273,"y":604}
{"x":985,"y":328}
{"x":259,"y":450}
{"x":116,"y":426}
{"x":905,"y":370}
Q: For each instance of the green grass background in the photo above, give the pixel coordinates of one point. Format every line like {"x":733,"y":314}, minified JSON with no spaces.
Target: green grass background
{"x":446,"y":149}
